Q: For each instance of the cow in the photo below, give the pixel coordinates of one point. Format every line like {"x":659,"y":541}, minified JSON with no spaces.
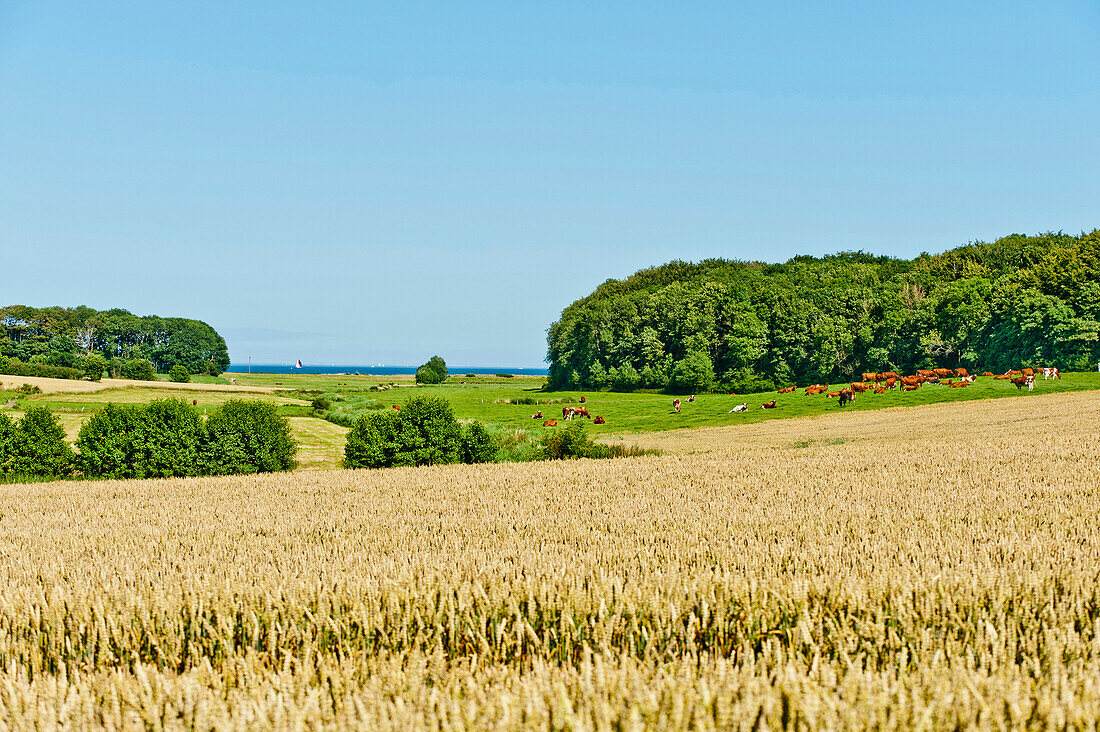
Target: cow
{"x":691,"y":398}
{"x":550,"y":423}
{"x":881,"y":390}
{"x":832,"y":394}
{"x":859,"y":386}
{"x":1002,"y":377}
{"x":911,"y":387}
{"x":1049,"y":372}
{"x":987,"y":373}
{"x":913,"y":381}
{"x":582,"y":399}
{"x":816,"y":389}
{"x":925,"y":372}
{"x":787,"y":390}
{"x":889,"y":375}
{"x":1014,"y":372}
{"x":397,"y":407}
{"x":676,"y":405}
{"x":1022,"y":381}
{"x":1028,"y":372}
{"x":889,"y":383}
{"x":568,"y":413}
{"x":846,"y":396}
{"x":962,"y":372}
{"x":963,"y":382}
{"x":536,"y":415}
{"x":768,"y":405}
{"x":598,"y":420}
{"x":870,"y":376}
{"x":742,"y":407}
{"x":943,"y":372}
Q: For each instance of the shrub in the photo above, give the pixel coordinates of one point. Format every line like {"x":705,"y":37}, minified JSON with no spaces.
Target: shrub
{"x":8,"y":441}
{"x":29,"y":389}
{"x":212,"y":369}
{"x":320,"y":404}
{"x":161,"y":439}
{"x":93,"y":365}
{"x":693,"y":373}
{"x":506,"y":376}
{"x":433,"y":372}
{"x":15,"y":367}
{"x":574,"y":442}
{"x":247,"y":437}
{"x":179,"y":373}
{"x":138,"y":369}
{"x":424,"y":432}
{"x":471,"y":376}
{"x":625,"y":378}
{"x":38,"y":447}
{"x":478,"y":446}
{"x":114,"y":368}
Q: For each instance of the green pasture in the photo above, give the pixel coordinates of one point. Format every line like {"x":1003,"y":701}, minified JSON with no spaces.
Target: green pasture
{"x":494,"y":403}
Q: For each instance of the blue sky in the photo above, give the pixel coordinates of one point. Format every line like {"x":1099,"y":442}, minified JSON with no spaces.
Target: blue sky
{"x":362,"y":183}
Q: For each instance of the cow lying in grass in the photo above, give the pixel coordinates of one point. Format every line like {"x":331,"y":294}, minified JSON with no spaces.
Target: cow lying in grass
{"x":742,"y":407}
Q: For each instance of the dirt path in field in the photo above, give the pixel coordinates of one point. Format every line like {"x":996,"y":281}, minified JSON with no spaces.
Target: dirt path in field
{"x":73,"y":386}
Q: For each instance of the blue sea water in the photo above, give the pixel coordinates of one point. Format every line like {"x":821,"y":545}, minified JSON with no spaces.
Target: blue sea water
{"x":267,"y":368}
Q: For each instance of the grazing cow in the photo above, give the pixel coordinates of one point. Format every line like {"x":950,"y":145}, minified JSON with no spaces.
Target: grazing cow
{"x":913,"y":381}
{"x":846,"y":396}
{"x":832,"y":394}
{"x":880,"y":390}
{"x":1014,"y":372}
{"x":987,"y":373}
{"x":943,"y":372}
{"x":742,"y":407}
{"x":788,"y":390}
{"x":889,"y":383}
{"x":1027,"y":372}
{"x":962,"y":372}
{"x":691,"y":398}
{"x":911,"y":387}
{"x":860,"y":386}
{"x":536,"y":415}
{"x":925,"y":372}
{"x":768,"y":405}
{"x":1022,"y":381}
{"x":1050,"y":372}
{"x":870,"y":376}
{"x":676,"y":405}
{"x":550,"y":423}
{"x":889,"y":375}
{"x":598,"y":420}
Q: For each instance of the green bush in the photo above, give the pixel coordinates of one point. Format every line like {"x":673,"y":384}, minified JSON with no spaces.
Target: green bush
{"x":247,"y":437}
{"x":93,"y":365}
{"x":158,"y":440}
{"x":625,"y":378}
{"x":110,"y":443}
{"x":506,"y":376}
{"x":574,"y":442}
{"x":114,"y":368}
{"x":424,"y":432}
{"x":478,"y":446}
{"x":179,"y":373}
{"x":433,"y":372}
{"x":691,"y":374}
{"x":37,"y":446}
{"x":9,"y":438}
{"x":15,"y":367}
{"x":138,"y":369}
{"x":320,"y":404}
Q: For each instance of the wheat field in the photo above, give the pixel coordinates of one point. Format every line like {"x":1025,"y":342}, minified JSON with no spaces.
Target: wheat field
{"x":925,"y":568}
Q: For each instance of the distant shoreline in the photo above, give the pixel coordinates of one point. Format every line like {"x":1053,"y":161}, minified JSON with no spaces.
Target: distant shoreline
{"x":267,"y":368}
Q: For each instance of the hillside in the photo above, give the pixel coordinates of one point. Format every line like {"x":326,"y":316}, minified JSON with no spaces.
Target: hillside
{"x":1020,"y":300}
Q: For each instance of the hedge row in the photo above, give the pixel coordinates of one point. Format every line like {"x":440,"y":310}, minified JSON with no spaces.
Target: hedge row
{"x":15,"y":367}
{"x":165,"y":438}
{"x":423,"y":432}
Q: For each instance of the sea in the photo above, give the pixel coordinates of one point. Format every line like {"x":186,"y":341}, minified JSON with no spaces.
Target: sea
{"x":268,"y":368}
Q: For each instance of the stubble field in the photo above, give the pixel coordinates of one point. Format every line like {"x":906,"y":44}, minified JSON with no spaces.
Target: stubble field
{"x":923,"y":567}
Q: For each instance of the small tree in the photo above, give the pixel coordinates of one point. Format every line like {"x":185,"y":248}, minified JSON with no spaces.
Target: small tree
{"x":179,"y":373}
{"x":139,"y":369}
{"x":478,"y":446}
{"x":432,"y":372}
{"x":93,"y":366}
{"x":40,"y":448}
{"x":247,"y":437}
{"x":693,"y":373}
{"x":372,"y":441}
{"x":424,"y":432}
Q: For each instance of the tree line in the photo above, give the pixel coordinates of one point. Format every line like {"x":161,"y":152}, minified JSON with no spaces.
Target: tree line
{"x":65,"y":338}
{"x":752,"y":326}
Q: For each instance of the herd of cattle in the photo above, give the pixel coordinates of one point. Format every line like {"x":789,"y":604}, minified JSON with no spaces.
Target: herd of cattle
{"x":876,"y":383}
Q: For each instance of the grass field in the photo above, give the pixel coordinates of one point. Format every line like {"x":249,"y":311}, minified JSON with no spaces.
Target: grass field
{"x":926,"y":568}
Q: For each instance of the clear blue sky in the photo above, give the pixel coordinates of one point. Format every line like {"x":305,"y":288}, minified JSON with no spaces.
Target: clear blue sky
{"x":362,"y":183}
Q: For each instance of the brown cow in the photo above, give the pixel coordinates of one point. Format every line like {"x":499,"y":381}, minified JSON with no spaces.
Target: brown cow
{"x":962,"y":372}
{"x":768,"y":405}
{"x":860,"y":386}
{"x":880,"y":390}
{"x":889,"y":375}
{"x":960,"y":383}
{"x":943,"y":372}
{"x":846,"y":396}
{"x":832,"y":394}
{"x":1014,"y":372}
{"x":788,"y":390}
{"x":1002,"y":377}
{"x":1027,"y":372}
{"x":925,"y":372}
{"x":913,"y":381}
{"x":571,"y":412}
{"x":676,"y":405}
{"x":1022,"y":381}
{"x":889,"y":383}
{"x":397,"y":407}
{"x":870,"y":376}
{"x":550,"y":423}
{"x":911,"y":387}
{"x":987,"y":373}
{"x":536,"y":415}
{"x":598,"y":420}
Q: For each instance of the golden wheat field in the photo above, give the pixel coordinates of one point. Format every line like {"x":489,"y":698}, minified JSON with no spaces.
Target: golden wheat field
{"x":925,"y":568}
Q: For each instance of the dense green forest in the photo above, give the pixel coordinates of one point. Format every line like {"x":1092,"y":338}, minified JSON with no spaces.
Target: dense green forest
{"x":751,"y":326}
{"x":62,"y":336}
